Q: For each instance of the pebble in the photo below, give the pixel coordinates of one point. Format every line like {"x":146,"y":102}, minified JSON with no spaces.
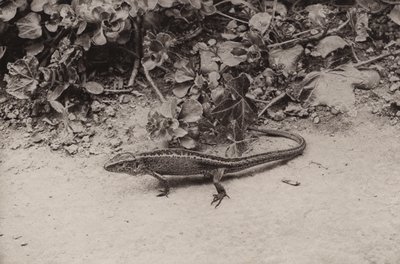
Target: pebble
{"x":374,"y":110}
{"x":77,"y":127}
{"x":125,"y":98}
{"x":334,"y":111}
{"x":71,"y":149}
{"x":258,"y":91}
{"x":115,"y":142}
{"x":86,"y":139}
{"x":394,"y":79}
{"x":393,"y":122}
{"x":398,"y":114}
{"x":15,"y":146}
{"x":96,"y":106}
{"x":110,"y":111}
{"x":394,"y":87}
{"x":314,"y":115}
{"x":303,"y":113}
{"x":72,"y":117}
{"x":316,"y":120}
{"x":96,"y":118}
{"x":55,"y":146}
{"x":94,"y":151}
{"x":37,"y":138}
{"x":3,"y":99}
{"x":241,"y":28}
{"x":11,"y":116}
{"x":278,"y":116}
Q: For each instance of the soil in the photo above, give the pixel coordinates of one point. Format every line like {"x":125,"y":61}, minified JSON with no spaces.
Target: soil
{"x":57,"y":208}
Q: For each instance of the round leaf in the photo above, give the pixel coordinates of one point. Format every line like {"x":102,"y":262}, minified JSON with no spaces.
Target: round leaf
{"x":29,"y":26}
{"x":188,"y":142}
{"x":181,"y":90}
{"x":191,"y":111}
{"x":260,"y":21}
{"x":94,"y":87}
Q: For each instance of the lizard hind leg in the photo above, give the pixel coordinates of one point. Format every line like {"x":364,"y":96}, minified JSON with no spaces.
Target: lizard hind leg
{"x":221,"y":193}
{"x":163,"y":181}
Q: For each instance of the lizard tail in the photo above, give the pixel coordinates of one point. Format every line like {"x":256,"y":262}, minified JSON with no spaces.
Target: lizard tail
{"x":277,"y":133}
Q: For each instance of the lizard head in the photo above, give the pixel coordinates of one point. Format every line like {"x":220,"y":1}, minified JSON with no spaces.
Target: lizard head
{"x":123,"y":163}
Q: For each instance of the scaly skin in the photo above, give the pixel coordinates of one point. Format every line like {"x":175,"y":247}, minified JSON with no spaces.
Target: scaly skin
{"x":186,"y":162}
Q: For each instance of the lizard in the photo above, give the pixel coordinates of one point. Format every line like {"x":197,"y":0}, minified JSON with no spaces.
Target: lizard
{"x":170,"y":162}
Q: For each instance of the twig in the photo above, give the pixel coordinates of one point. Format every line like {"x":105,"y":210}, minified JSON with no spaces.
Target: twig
{"x":362,"y":63}
{"x":137,"y":24}
{"x":273,"y":101}
{"x":354,"y":53}
{"x":129,"y":51}
{"x":134,"y":73}
{"x":257,"y":100}
{"x":118,"y":91}
{"x":283,"y":43}
{"x":290,"y":182}
{"x":220,"y":3}
{"x":230,"y":17}
{"x":148,"y":77}
{"x":314,"y":37}
{"x":274,"y":10}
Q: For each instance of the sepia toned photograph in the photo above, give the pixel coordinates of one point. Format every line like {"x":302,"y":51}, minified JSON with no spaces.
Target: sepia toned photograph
{"x":199,"y":132}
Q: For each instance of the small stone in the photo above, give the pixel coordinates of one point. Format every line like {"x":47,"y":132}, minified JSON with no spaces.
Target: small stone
{"x":110,"y":111}
{"x":278,"y":116}
{"x":15,"y":146}
{"x":394,"y":79}
{"x":115,"y":142}
{"x":37,"y":138}
{"x":94,"y":151}
{"x":3,"y":99}
{"x":313,"y":115}
{"x":136,"y":93}
{"x":211,"y":42}
{"x":72,"y":149}
{"x":86,"y":139}
{"x":241,"y":28}
{"x":334,"y":111}
{"x":72,"y":117}
{"x":96,"y":118}
{"x":394,"y":87}
{"x":96,"y":106}
{"x":77,"y":127}
{"x":398,"y":113}
{"x":258,"y":91}
{"x":303,"y":113}
{"x":393,"y":122}
{"x":370,"y":50}
{"x":316,"y":120}
{"x":55,"y":146}
{"x":11,"y":115}
{"x":374,"y":110}
{"x":124,"y":99}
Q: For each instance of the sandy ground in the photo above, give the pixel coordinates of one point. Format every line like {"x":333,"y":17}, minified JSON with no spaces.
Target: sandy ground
{"x":58,"y":209}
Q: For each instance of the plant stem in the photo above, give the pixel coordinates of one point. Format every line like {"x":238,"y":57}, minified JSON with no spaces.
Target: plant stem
{"x":148,"y":77}
{"x":230,"y":17}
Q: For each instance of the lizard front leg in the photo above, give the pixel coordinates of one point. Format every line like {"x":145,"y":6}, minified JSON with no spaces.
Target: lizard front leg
{"x":163,"y":181}
{"x":221,"y":193}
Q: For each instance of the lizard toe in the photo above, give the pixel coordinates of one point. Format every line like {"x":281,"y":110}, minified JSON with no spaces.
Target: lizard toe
{"x":163,"y":192}
{"x":218,"y":198}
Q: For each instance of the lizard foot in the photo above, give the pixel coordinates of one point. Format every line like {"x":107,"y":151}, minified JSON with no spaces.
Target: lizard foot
{"x":163,"y":192}
{"x":219,"y":197}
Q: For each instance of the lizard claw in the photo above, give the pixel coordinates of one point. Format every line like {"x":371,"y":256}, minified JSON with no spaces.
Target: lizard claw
{"x":163,"y":192}
{"x":218,"y":198}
